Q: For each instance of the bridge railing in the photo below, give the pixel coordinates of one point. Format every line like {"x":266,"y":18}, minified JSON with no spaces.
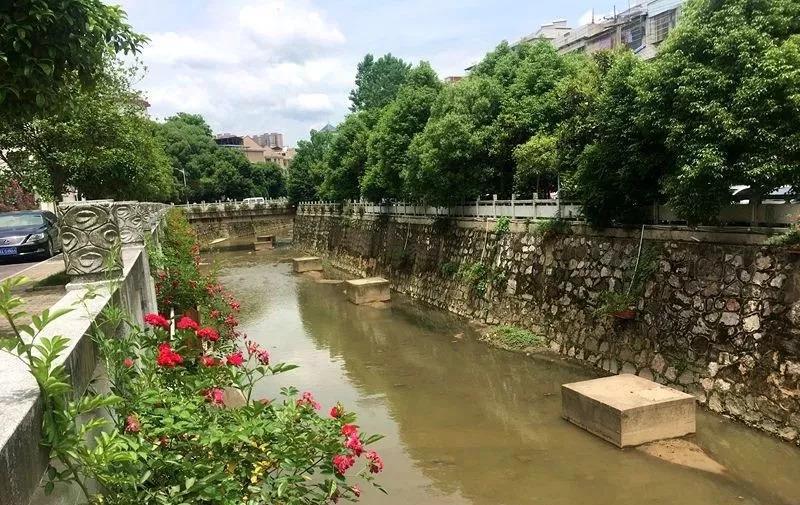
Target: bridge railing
{"x":765,"y":214}
{"x":233,"y":206}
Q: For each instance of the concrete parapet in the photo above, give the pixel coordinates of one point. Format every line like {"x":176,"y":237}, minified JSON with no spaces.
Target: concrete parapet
{"x":90,"y":238}
{"x":628,"y":410}
{"x":306,"y":264}
{"x":372,"y":289}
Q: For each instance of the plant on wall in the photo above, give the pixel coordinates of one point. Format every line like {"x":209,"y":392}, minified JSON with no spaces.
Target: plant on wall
{"x":620,"y":304}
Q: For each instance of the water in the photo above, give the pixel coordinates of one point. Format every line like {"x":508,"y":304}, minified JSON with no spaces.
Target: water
{"x":469,"y":424}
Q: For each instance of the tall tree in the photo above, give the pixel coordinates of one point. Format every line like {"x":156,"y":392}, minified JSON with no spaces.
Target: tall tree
{"x":187,"y":141}
{"x":102,"y":144}
{"x":404,"y":117}
{"x":346,"y":159}
{"x":307,"y":170}
{"x":723,"y":92}
{"x":268,"y":180}
{"x":377,"y":81}
{"x":45,"y":47}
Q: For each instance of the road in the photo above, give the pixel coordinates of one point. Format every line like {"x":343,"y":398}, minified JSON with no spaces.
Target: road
{"x":9,"y":269}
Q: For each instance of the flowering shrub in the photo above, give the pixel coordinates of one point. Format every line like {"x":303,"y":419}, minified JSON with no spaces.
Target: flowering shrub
{"x":182,"y":423}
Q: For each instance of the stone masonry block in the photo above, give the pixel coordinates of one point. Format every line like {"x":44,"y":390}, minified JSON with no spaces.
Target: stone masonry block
{"x":373,"y":289}
{"x":627,"y":410}
{"x":306,"y":264}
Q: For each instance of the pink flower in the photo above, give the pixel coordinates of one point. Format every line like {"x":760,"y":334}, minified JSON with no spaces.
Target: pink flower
{"x":354,"y":444}
{"x":236,"y":359}
{"x":231,"y":320}
{"x":337,"y":411}
{"x":342,"y":462}
{"x":263,"y":357}
{"x":207,"y":361}
{"x":132,"y":424}
{"x":375,"y":462}
{"x":187,"y":323}
{"x":157,"y":321}
{"x":127,"y":363}
{"x":214,"y":395}
{"x":215,"y":314}
{"x":209,"y":334}
{"x":348,"y":430}
{"x":356,"y":490}
{"x":252,"y":347}
{"x":308,"y":399}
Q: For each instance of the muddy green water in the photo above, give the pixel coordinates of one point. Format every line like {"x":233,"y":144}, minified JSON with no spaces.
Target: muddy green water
{"x":469,"y":424}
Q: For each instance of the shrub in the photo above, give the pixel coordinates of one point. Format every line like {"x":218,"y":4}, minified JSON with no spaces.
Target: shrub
{"x":788,"y":238}
{"x":449,"y":269}
{"x":551,"y":228}
{"x":512,"y":337}
{"x":476,"y":275}
{"x":502,"y":226}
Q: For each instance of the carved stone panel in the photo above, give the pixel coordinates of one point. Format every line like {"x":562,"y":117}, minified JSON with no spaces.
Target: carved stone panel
{"x":90,"y":238}
{"x":129,"y":218}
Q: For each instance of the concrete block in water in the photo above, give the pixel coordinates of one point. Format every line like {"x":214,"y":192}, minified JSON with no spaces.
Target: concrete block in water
{"x":262,"y":246}
{"x":306,"y":264}
{"x":628,"y":410}
{"x":373,"y":289}
{"x":265,"y":238}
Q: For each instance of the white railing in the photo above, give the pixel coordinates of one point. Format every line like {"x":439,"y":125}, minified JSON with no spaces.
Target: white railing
{"x":523,"y":209}
{"x":236,"y":206}
{"x":769,"y":214}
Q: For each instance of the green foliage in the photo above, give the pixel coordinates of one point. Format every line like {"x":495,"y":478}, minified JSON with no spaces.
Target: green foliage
{"x":610,"y":302}
{"x":646,"y":265}
{"x":503,"y":225}
{"x":723,"y":93}
{"x":101,"y":143}
{"x":346,"y":159}
{"x":377,"y":82}
{"x":307,"y":171}
{"x":399,"y":122}
{"x":49,"y":48}
{"x":449,"y":269}
{"x":512,"y":337}
{"x":535,"y":158}
{"x":551,"y":228}
{"x":477,"y":276}
{"x":788,"y":238}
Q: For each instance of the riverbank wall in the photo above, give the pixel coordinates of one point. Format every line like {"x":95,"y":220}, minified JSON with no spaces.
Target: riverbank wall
{"x":718,"y":317}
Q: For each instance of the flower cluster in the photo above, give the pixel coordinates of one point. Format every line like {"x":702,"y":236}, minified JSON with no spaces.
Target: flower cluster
{"x":307,"y":400}
{"x":342,"y":462}
{"x":167,"y":357}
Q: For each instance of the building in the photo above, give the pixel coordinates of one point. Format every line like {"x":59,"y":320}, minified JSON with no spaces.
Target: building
{"x":273,"y":139}
{"x":641,"y":28}
{"x":255,"y":152}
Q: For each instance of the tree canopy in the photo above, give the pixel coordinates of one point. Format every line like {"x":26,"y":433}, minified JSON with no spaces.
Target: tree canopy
{"x":377,"y":82}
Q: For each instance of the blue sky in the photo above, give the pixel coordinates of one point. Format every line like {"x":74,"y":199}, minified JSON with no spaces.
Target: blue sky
{"x":251,"y":66}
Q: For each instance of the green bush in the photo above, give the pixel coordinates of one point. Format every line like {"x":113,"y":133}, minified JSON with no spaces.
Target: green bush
{"x":449,"y":269}
{"x":550,"y":228}
{"x":502,"y":226}
{"x":789,"y":238}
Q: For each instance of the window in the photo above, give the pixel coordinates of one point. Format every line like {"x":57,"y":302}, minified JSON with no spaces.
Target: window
{"x":633,"y":35}
{"x":660,"y":25}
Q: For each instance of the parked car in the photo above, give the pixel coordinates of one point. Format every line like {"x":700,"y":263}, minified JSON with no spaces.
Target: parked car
{"x":254,"y":200}
{"x":29,"y":234}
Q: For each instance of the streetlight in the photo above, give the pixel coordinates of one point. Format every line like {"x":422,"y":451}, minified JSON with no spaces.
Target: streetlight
{"x":185,"y":187}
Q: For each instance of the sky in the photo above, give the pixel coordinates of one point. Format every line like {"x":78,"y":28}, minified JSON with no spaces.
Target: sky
{"x":255,"y":66}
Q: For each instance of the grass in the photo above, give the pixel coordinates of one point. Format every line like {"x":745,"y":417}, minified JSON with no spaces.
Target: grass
{"x":514,"y":338}
{"x":548,"y":228}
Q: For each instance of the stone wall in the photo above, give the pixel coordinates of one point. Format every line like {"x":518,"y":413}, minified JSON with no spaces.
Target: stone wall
{"x":719,"y":317}
{"x":240,"y":224}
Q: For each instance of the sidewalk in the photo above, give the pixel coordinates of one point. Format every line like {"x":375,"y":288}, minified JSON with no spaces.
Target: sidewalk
{"x":37,"y":298}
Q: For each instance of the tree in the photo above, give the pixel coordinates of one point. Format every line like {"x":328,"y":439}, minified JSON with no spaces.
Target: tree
{"x":15,"y":197}
{"x":268,"y":180}
{"x":400,"y":121}
{"x":535,"y":159}
{"x":450,"y":160}
{"x":307,"y":170}
{"x":45,"y":47}
{"x":102,"y":144}
{"x":723,"y":92}
{"x":377,"y":82}
{"x":619,"y":170}
{"x":187,"y":141}
{"x":346,"y":159}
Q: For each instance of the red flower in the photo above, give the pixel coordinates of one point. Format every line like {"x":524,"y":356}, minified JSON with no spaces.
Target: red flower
{"x":127,"y":362}
{"x":252,"y":347}
{"x":187,"y":323}
{"x":307,"y":399}
{"x":348,"y":430}
{"x":132,"y":424}
{"x":215,"y":314}
{"x":236,"y":359}
{"x":337,"y":411}
{"x":263,"y":357}
{"x":231,"y":320}
{"x":206,"y":360}
{"x":354,"y":444}
{"x":375,"y":462}
{"x":167,"y":357}
{"x":157,"y":321}
{"x":209,"y":334}
{"x":234,"y":305}
{"x":214,"y":395}
{"x":356,"y":490}
{"x":342,"y":462}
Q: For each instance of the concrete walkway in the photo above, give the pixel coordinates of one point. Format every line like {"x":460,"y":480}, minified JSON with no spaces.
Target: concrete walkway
{"x":38,"y":299}
{"x":34,"y":271}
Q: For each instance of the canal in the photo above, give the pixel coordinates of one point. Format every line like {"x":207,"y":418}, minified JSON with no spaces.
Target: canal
{"x":469,"y":424}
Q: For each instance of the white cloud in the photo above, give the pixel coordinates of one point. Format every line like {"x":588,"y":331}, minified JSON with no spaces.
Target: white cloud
{"x":262,"y":65}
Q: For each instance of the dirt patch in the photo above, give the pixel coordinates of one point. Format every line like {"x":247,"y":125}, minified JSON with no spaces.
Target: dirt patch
{"x":680,"y":451}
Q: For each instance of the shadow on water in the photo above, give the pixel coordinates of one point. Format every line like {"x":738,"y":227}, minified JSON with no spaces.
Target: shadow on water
{"x":469,"y":424}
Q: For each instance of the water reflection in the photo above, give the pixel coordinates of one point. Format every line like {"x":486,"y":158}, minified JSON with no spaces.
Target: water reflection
{"x":469,"y":424}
